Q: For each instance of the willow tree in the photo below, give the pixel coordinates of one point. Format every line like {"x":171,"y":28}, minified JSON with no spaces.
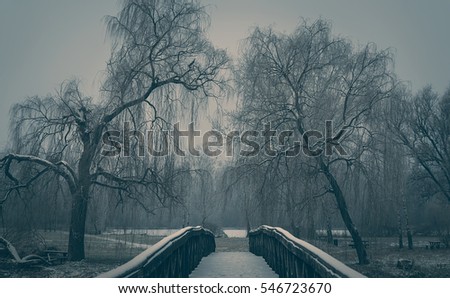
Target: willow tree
{"x":159,"y":50}
{"x":302,"y":81}
{"x":422,"y":125}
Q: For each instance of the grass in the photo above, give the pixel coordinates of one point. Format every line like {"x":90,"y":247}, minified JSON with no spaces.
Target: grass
{"x":384,"y":253}
{"x":105,"y":252}
{"x":103,"y":248}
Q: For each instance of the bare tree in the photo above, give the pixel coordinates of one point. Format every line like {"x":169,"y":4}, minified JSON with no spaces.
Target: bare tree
{"x":159,"y":52}
{"x":423,"y":126}
{"x":299,"y":81}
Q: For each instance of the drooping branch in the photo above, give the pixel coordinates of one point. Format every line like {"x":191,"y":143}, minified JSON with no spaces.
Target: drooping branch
{"x":149,"y":181}
{"x":109,"y":117}
{"x":61,"y":168}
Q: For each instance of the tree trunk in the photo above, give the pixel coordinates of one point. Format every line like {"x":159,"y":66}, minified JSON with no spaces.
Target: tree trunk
{"x":408,"y":230}
{"x":311,"y":229}
{"x":79,"y":206}
{"x":247,"y":222}
{"x":342,"y":205}
{"x":410,"y":240}
{"x":2,"y":219}
{"x":329,"y":227}
{"x":186,"y":218}
{"x":400,"y":239}
{"x":400,"y":231}
{"x":329,"y":231}
{"x":77,"y":227}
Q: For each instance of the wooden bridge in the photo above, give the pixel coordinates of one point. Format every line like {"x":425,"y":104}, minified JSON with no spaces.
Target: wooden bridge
{"x":273,"y":252}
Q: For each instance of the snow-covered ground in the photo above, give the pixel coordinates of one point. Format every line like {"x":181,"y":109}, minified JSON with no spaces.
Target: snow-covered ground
{"x":235,"y":233}
{"x":126,"y":243}
{"x":233,"y":264}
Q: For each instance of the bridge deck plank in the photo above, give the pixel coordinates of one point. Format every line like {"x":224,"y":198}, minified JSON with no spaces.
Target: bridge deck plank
{"x":233,"y":264}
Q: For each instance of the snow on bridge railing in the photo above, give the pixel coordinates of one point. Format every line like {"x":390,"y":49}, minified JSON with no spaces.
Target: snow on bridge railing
{"x":289,"y":256}
{"x":174,"y":256}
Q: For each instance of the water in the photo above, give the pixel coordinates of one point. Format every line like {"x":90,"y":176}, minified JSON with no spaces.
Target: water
{"x":230,"y":232}
{"x":149,"y":232}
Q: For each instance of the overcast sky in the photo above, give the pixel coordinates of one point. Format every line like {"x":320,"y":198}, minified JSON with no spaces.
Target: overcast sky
{"x":45,"y":42}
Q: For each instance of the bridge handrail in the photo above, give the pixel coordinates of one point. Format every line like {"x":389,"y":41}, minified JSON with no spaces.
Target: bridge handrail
{"x":158,"y":260}
{"x":292,"y":257}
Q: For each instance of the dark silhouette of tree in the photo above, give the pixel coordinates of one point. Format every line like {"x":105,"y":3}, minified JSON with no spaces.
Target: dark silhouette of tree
{"x":159,"y":52}
{"x":423,"y":126}
{"x":299,"y":81}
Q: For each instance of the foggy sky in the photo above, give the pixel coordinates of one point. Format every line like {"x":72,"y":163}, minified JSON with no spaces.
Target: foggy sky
{"x":43,"y":43}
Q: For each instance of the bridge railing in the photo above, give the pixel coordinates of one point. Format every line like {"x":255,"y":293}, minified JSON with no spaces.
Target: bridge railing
{"x":289,"y":256}
{"x":176,"y":255}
